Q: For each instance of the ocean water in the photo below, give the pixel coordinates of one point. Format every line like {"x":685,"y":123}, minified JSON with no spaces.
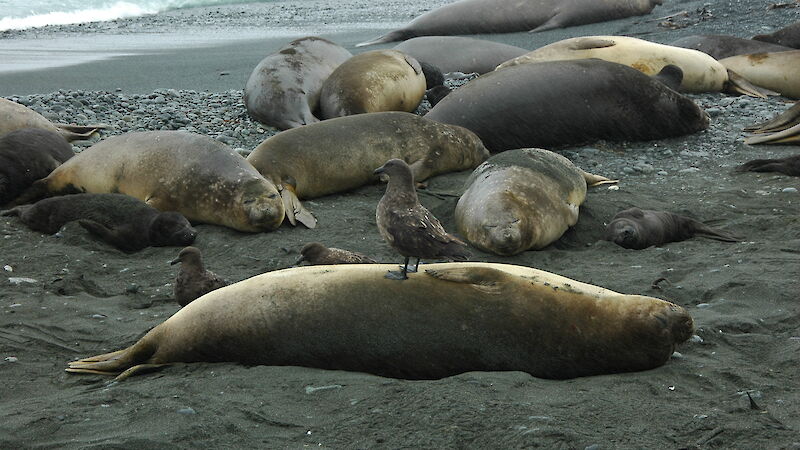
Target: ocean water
{"x":22,"y":14}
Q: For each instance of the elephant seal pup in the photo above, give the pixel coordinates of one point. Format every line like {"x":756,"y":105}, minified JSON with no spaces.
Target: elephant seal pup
{"x":354,"y":146}
{"x":641,"y":228}
{"x":720,"y":46}
{"x":788,"y":36}
{"x":777,"y":71}
{"x":508,"y":16}
{"x":196,"y":175}
{"x":14,"y":116}
{"x":452,"y":318}
{"x":26,"y":155}
{"x":120,"y":220}
{"x":193,"y":280}
{"x":787,"y":166}
{"x":379,"y":80}
{"x":563,"y":103}
{"x":317,"y":254}
{"x":701,"y":72}
{"x":782,"y":129}
{"x":283,"y":90}
{"x":522,"y":199}
{"x":459,"y":54}
{"x":407,"y":226}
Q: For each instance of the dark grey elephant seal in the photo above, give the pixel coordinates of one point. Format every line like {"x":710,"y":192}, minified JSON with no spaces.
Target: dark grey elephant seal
{"x":788,"y":36}
{"x":14,"y":116}
{"x":520,"y":200}
{"x":375,"y":81}
{"x":340,"y":154}
{"x":508,"y":16}
{"x":120,"y":220}
{"x":27,"y":155}
{"x":452,"y":318}
{"x":719,"y":46}
{"x":283,"y":90}
{"x":563,"y":103}
{"x":459,"y":54}
{"x":637,"y":229}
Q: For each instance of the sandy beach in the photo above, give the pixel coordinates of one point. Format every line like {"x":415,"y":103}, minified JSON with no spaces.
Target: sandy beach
{"x":71,"y":296}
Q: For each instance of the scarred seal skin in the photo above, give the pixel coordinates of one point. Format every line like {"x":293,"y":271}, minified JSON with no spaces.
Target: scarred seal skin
{"x":451,"y":318}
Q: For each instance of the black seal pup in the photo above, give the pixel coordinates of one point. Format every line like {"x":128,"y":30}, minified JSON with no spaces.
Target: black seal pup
{"x":193,"y":280}
{"x":27,"y":155}
{"x":318,"y":254}
{"x":637,"y":229}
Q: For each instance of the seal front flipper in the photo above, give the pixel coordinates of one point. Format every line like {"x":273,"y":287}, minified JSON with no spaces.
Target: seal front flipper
{"x":295,"y":211}
{"x":737,"y":84}
{"x":110,"y":236}
{"x":484,"y":279}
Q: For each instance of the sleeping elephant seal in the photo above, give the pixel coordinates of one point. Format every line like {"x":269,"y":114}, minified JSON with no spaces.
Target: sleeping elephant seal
{"x":568,"y":103}
{"x":508,"y":16}
{"x":701,"y":72}
{"x":788,"y":36}
{"x":777,"y":71}
{"x":125,"y":222}
{"x":283,"y":90}
{"x":380,"y":80}
{"x":27,"y":155}
{"x":452,"y":318}
{"x":353,"y":147}
{"x":719,"y":46}
{"x":199,"y":177}
{"x":459,"y":54}
{"x":14,"y":116}
{"x":522,"y":199}
{"x":638,"y":229}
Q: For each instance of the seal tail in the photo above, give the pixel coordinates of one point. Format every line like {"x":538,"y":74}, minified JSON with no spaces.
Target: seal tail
{"x":781,"y":122}
{"x":295,"y":211}
{"x":392,"y":36}
{"x":78,"y":132}
{"x":123,"y":363}
{"x":737,"y":84}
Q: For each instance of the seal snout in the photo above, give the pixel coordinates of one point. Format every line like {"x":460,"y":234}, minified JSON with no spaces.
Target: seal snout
{"x":505,"y":239}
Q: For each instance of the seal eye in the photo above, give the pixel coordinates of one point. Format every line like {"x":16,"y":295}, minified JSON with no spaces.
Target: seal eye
{"x":248,"y":201}
{"x":272,"y":196}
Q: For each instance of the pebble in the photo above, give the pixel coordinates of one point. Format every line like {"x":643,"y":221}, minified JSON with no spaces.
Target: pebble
{"x":789,"y":189}
{"x":187,"y":411}
{"x":11,"y":359}
{"x":16,"y":281}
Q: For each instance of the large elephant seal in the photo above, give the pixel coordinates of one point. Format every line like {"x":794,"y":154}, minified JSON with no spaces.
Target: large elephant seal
{"x":508,"y":16}
{"x":522,"y":199}
{"x":125,"y":222}
{"x":341,"y":154}
{"x":777,"y":71}
{"x":14,"y":116}
{"x":379,"y":80}
{"x":568,"y":103}
{"x":283,"y":90}
{"x":199,"y":177}
{"x":701,"y":72}
{"x":26,"y":155}
{"x":459,"y":54}
{"x":638,"y":229}
{"x":788,"y":36}
{"x":450,"y":319}
{"x":720,"y":46}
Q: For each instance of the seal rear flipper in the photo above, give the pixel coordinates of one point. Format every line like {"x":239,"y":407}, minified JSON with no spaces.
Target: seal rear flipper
{"x":787,"y":136}
{"x":782,"y":121}
{"x":737,"y":84}
{"x":78,"y":132}
{"x":119,"y":362}
{"x":596,"y":180}
{"x":295,"y":211}
{"x":17,"y":211}
{"x":484,"y":279}
{"x":392,"y":36}
{"x":703,"y":230}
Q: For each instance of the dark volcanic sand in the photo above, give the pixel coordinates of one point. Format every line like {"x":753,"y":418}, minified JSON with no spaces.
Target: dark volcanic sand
{"x":87,"y":298}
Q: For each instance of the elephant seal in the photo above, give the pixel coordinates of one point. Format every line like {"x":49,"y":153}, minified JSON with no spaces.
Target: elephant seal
{"x":283,"y":90}
{"x":782,"y":129}
{"x":407,"y":226}
{"x":317,"y":254}
{"x":450,"y":319}
{"x":196,"y":175}
{"x":120,"y":220}
{"x":701,"y":72}
{"x":788,"y":36}
{"x":375,"y":81}
{"x":720,"y":46}
{"x":777,"y":71}
{"x":508,"y":16}
{"x":353,"y":147}
{"x":638,"y":229}
{"x":14,"y":116}
{"x":787,"y":166}
{"x":459,"y":54}
{"x":27,"y":155}
{"x":193,"y":280}
{"x":522,"y":199}
{"x":563,"y":103}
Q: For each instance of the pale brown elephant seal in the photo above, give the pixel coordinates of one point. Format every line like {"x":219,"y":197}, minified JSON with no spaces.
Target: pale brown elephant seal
{"x":788,"y":36}
{"x":340,"y":154}
{"x":521,"y":200}
{"x":193,"y":280}
{"x":561,"y":103}
{"x":777,"y":71}
{"x":508,"y":16}
{"x":196,"y":175}
{"x":638,"y":229}
{"x":283,"y":90}
{"x":14,"y":116}
{"x":452,"y":318}
{"x":375,"y":81}
{"x":459,"y":54}
{"x":27,"y":155}
{"x":120,"y":220}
